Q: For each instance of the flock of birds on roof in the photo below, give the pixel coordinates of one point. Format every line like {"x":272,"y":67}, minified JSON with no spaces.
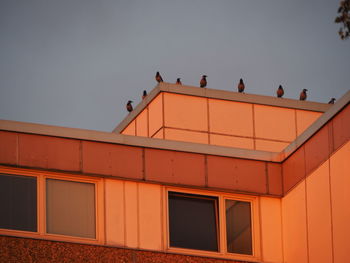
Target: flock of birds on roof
{"x":240,"y":88}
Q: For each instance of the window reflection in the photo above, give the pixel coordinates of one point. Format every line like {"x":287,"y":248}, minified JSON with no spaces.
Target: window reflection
{"x":193,"y":221}
{"x":238,"y":227}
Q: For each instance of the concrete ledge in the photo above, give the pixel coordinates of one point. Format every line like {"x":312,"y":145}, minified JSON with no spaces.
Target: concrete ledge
{"x":89,"y":135}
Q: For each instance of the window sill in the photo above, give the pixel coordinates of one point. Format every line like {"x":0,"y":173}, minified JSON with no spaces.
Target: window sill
{"x":212,"y":254}
{"x":51,"y":237}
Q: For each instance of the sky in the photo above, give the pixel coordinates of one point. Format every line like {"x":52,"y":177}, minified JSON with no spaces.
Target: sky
{"x":75,"y":63}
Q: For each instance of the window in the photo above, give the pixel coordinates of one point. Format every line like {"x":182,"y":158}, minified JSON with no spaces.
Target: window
{"x":51,"y":205}
{"x":18,"y":202}
{"x":211,"y":223}
{"x":193,"y":221}
{"x":238,"y":227}
{"x":70,"y":208}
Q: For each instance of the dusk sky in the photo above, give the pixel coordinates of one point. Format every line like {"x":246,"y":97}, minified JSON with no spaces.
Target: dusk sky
{"x":75,"y":63}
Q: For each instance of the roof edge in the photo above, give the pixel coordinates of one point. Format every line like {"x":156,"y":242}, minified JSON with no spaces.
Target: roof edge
{"x":316,"y":126}
{"x":222,"y":95}
{"x":109,"y":137}
{"x":138,"y":109}
{"x":244,"y":97}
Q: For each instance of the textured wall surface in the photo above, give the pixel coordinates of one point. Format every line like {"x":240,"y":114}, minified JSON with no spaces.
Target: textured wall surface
{"x":14,"y":250}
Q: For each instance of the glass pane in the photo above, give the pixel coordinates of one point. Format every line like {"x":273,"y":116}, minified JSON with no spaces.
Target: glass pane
{"x":18,"y":202}
{"x":70,"y":208}
{"x":193,"y":221}
{"x":238,"y":227}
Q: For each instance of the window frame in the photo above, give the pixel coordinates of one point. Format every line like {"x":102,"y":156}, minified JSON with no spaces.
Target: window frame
{"x":41,"y":232}
{"x":221,"y":225}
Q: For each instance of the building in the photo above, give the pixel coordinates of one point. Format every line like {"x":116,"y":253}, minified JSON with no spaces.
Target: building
{"x":191,"y":175}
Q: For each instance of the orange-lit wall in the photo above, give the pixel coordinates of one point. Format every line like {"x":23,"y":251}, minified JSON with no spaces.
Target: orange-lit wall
{"x":136,"y":218}
{"x":220,"y":122}
{"x":134,"y":215}
{"x":316,"y":214}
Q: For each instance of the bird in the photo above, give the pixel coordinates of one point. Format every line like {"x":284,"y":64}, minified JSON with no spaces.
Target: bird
{"x":280,"y":92}
{"x":303,"y":95}
{"x":144,"y":94}
{"x":178,"y":81}
{"x":240,"y":86}
{"x":331,"y":101}
{"x":159,"y":78}
{"x":203,"y":82}
{"x":129,"y":106}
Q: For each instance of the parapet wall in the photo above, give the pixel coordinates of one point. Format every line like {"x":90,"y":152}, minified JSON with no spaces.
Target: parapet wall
{"x":222,"y":118}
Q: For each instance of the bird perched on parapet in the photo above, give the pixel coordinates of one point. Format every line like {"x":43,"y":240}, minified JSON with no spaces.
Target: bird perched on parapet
{"x":240,"y":86}
{"x":129,"y":107}
{"x":331,"y":101}
{"x":144,"y":94}
{"x":159,"y":78}
{"x":280,"y":92}
{"x":303,"y":95}
{"x":178,"y":81}
{"x":203,"y":82}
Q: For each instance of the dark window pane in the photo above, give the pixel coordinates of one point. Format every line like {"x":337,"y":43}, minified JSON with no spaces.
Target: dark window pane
{"x":238,"y":227}
{"x":193,"y":221}
{"x":18,"y":204}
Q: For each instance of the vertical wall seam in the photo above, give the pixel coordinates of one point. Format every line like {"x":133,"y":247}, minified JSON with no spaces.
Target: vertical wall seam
{"x":282,"y":229}
{"x":254,"y":133}
{"x":163,"y":115}
{"x":267,"y":178}
{"x":161,"y":218}
{"x":43,"y":205}
{"x":330,"y":139}
{"x":143,"y":164}
{"x":208,"y":120}
{"x":138,"y":213}
{"x":147,"y":121}
{"x":306,"y":213}
{"x":104,"y":211}
{"x":282,"y":179}
{"x":135,"y":126}
{"x":333,"y":135}
{"x":307,"y":225}
{"x":81,"y":156}
{"x":305,"y":171}
{"x":17,"y":149}
{"x":296,"y":122}
{"x":206,"y":170}
{"x":331,"y":207}
{"x":124,"y":215}
{"x":260,"y":231}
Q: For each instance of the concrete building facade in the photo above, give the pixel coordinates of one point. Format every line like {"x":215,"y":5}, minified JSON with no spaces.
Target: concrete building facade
{"x":191,"y":175}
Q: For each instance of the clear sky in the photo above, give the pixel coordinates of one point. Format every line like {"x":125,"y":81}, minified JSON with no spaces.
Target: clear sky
{"x":75,"y":63}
